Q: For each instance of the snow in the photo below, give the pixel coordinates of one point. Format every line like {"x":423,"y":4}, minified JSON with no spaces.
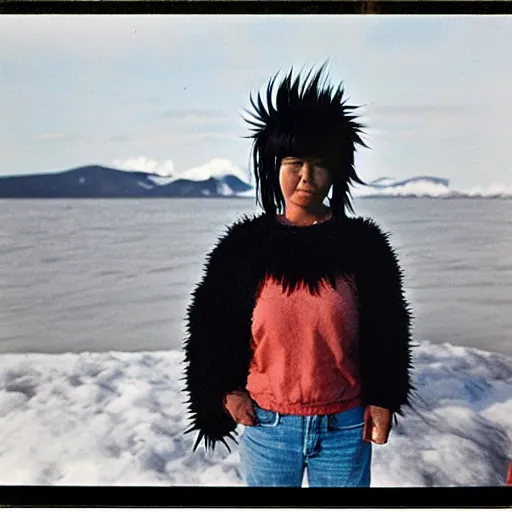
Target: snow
{"x":494,"y":190}
{"x":163,"y":169}
{"x":425,"y":187}
{"x":117,"y":418}
{"x":216,"y":168}
{"x":145,"y":185}
{"x":164,"y":173}
{"x":419,"y":188}
{"x":224,"y":189}
{"x":248,"y":193}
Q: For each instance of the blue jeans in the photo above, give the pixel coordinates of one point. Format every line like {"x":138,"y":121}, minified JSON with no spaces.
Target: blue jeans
{"x":278,"y":450}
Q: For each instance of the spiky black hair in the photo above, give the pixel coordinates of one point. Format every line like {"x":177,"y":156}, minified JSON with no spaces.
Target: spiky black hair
{"x":308,"y":118}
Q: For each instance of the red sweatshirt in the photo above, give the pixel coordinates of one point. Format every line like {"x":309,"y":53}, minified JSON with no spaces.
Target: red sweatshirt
{"x":305,"y":350}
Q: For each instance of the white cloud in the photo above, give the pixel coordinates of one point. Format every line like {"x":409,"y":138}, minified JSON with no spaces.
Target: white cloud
{"x":194,"y":115}
{"x":216,"y":168}
{"x":50,"y":136}
{"x":83,"y":35}
{"x":493,"y":190}
{"x":436,"y":90}
{"x":145,"y":164}
{"x":418,"y":189}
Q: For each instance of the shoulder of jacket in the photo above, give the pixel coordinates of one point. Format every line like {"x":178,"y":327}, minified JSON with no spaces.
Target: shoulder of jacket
{"x":239,"y":235}
{"x":368,"y":228}
{"x":245,"y":225}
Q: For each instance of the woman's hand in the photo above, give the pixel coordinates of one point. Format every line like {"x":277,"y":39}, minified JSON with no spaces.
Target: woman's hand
{"x":377,"y":424}
{"x":240,"y":407}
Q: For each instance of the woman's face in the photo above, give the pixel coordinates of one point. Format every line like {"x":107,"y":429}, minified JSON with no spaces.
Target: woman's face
{"x":304,"y":182}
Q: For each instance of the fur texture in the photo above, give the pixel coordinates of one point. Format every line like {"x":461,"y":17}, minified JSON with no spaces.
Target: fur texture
{"x":217,"y":345}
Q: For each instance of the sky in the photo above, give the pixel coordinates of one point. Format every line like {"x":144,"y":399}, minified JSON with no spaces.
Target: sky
{"x":165,"y":93}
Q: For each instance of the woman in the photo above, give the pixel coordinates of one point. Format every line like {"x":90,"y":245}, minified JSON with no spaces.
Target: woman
{"x":299,"y":329}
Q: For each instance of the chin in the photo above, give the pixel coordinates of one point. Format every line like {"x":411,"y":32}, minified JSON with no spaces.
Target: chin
{"x":306,"y":201}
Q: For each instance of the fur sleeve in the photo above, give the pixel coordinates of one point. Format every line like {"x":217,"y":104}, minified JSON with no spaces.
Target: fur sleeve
{"x":218,"y":337}
{"x":385,"y":323}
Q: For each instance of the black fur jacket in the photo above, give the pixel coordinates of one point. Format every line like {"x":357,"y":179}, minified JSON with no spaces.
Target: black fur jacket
{"x":217,"y":344}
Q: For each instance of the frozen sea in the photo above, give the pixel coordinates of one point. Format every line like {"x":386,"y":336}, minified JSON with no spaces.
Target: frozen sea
{"x":93,"y":294}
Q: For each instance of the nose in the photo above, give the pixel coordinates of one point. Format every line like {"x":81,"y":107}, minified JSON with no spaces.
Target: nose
{"x":307,"y":172}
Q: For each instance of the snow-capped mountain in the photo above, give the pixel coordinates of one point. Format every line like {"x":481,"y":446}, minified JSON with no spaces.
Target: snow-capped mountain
{"x":218,"y":168}
{"x":427,"y":186}
{"x":420,"y":186}
{"x":98,"y":181}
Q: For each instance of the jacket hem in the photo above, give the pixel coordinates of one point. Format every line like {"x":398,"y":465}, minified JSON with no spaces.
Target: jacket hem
{"x":307,"y":410}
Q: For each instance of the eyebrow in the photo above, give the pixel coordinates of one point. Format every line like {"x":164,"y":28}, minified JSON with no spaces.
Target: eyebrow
{"x":315,"y":161}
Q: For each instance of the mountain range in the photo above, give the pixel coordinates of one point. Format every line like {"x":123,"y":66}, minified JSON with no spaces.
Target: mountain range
{"x":218,"y":178}
{"x":98,"y":181}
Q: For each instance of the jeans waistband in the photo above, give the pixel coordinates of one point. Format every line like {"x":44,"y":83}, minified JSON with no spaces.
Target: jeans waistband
{"x":346,"y":419}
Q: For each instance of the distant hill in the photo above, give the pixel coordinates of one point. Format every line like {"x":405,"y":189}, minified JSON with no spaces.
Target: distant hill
{"x":418,"y":186}
{"x":98,"y":181}
{"x":218,"y":178}
{"x":391,"y":182}
{"x":428,"y":186}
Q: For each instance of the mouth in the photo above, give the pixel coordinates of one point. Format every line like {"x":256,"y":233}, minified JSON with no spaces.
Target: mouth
{"x":310,"y":192}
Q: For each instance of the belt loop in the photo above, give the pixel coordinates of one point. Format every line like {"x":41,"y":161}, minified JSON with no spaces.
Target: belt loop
{"x":276,"y":421}
{"x":325,"y":422}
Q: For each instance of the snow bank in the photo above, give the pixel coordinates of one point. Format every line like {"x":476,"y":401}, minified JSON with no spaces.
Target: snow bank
{"x":117,"y":419}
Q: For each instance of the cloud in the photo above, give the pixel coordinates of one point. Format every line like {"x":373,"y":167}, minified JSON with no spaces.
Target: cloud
{"x":408,"y":110}
{"x":184,"y":119}
{"x":493,"y":190}
{"x":194,"y":113}
{"x":208,"y":135}
{"x":145,"y":164}
{"x":97,"y":35}
{"x":436,"y":90}
{"x":50,"y":136}
{"x":421,"y":121}
{"x":398,"y":32}
{"x":119,"y":138}
{"x":188,"y":125}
